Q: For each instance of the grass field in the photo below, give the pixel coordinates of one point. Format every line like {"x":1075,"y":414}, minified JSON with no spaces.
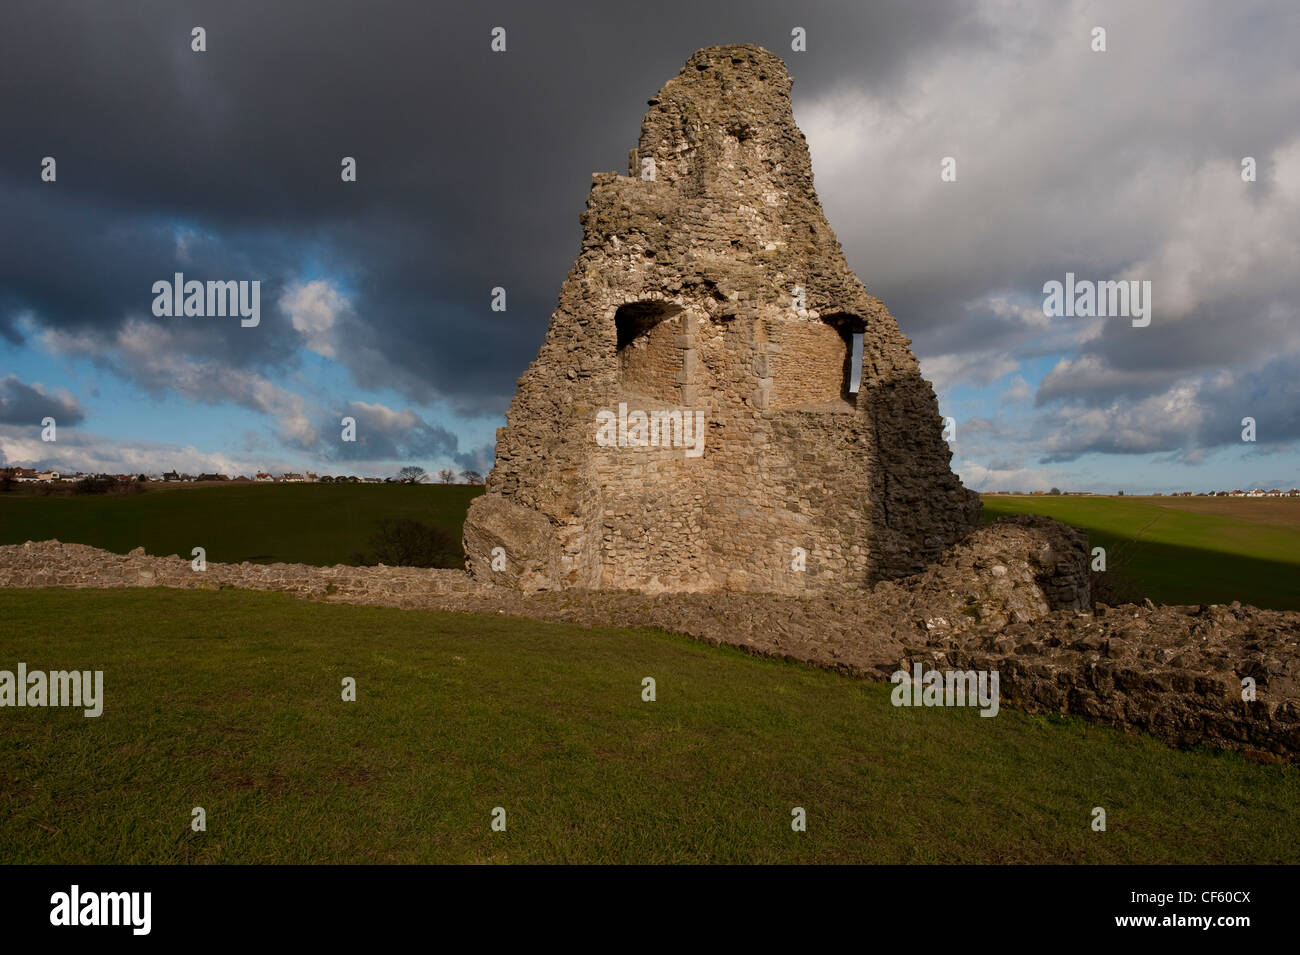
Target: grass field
{"x":1185,"y":550}
{"x":319,"y":524}
{"x":232,"y":701}
{"x":1173,"y":550}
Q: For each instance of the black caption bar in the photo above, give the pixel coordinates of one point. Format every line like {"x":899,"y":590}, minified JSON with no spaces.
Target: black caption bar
{"x":145,"y":905}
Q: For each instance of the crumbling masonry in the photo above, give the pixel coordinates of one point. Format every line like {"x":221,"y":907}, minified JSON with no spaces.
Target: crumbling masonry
{"x":709,"y":280}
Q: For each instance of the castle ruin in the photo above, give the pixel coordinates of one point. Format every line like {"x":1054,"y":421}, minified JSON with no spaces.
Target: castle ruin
{"x":694,"y":420}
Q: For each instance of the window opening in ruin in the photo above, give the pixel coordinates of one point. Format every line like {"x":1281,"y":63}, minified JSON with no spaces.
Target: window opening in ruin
{"x":650,"y":357}
{"x":855,"y":369}
{"x":851,"y":329}
{"x":636,"y":319}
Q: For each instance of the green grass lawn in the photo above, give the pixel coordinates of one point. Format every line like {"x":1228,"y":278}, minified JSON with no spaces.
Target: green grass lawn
{"x":318,"y":524}
{"x":1174,"y":551}
{"x":231,"y":701}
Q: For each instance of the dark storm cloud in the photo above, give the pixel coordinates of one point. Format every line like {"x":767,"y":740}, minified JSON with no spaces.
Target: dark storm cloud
{"x":473,"y":166}
{"x":384,"y":434}
{"x":24,"y":404}
{"x":1193,"y":415}
{"x":83,"y":271}
{"x":479,"y":459}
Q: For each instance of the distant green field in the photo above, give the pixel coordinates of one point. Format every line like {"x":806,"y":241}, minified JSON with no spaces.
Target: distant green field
{"x":1173,"y":550}
{"x":231,"y":701}
{"x":1185,"y":550}
{"x":317,"y":524}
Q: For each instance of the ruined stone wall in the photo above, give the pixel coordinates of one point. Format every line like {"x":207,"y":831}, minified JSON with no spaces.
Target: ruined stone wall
{"x":729,"y":241}
{"x":1012,"y":597}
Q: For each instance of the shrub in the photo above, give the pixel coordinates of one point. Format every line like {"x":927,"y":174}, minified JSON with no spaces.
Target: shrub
{"x":404,"y":542}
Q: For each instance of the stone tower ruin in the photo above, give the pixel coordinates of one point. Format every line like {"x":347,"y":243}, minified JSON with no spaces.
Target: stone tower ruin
{"x":691,"y":422}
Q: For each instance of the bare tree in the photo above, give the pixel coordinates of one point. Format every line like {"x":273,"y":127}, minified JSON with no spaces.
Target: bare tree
{"x":471,"y":477}
{"x":411,"y":474}
{"x":446,"y":476}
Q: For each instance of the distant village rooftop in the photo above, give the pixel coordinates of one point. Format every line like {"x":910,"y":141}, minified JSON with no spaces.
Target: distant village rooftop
{"x":22,"y":475}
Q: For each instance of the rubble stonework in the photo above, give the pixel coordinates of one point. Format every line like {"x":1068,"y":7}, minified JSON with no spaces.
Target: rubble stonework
{"x":718,"y":286}
{"x":1010,"y":597}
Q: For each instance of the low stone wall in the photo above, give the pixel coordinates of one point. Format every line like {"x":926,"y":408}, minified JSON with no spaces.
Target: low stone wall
{"x":1174,"y":672}
{"x":1012,"y":597}
{"x":54,"y":564}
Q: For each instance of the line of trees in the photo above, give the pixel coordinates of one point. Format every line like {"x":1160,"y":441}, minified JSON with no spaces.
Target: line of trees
{"x":417,"y":475}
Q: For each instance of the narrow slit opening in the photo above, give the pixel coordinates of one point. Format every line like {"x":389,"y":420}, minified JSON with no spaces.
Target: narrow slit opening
{"x":855,"y":367}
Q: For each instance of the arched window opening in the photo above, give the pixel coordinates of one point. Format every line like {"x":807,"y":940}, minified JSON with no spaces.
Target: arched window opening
{"x":650,"y":359}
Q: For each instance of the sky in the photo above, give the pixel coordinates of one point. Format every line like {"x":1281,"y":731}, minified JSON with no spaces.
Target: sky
{"x":473,"y":167}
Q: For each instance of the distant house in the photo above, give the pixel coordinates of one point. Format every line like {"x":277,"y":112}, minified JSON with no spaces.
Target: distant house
{"x":263,"y":476}
{"x":213,"y":477}
{"x":47,"y":476}
{"x":171,"y":476}
{"x":310,"y":478}
{"x":290,"y":478}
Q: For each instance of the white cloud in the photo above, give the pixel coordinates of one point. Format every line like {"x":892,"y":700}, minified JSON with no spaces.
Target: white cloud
{"x":981,"y":478}
{"x":314,"y":309}
{"x":979,"y":368}
{"x":93,"y":454}
{"x":1227,"y":239}
{"x":1017,"y":391}
{"x":153,"y":356}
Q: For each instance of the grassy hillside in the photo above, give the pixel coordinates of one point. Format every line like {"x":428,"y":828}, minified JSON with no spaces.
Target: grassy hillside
{"x":318,"y":524}
{"x":231,"y":701}
{"x":1185,"y":550}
